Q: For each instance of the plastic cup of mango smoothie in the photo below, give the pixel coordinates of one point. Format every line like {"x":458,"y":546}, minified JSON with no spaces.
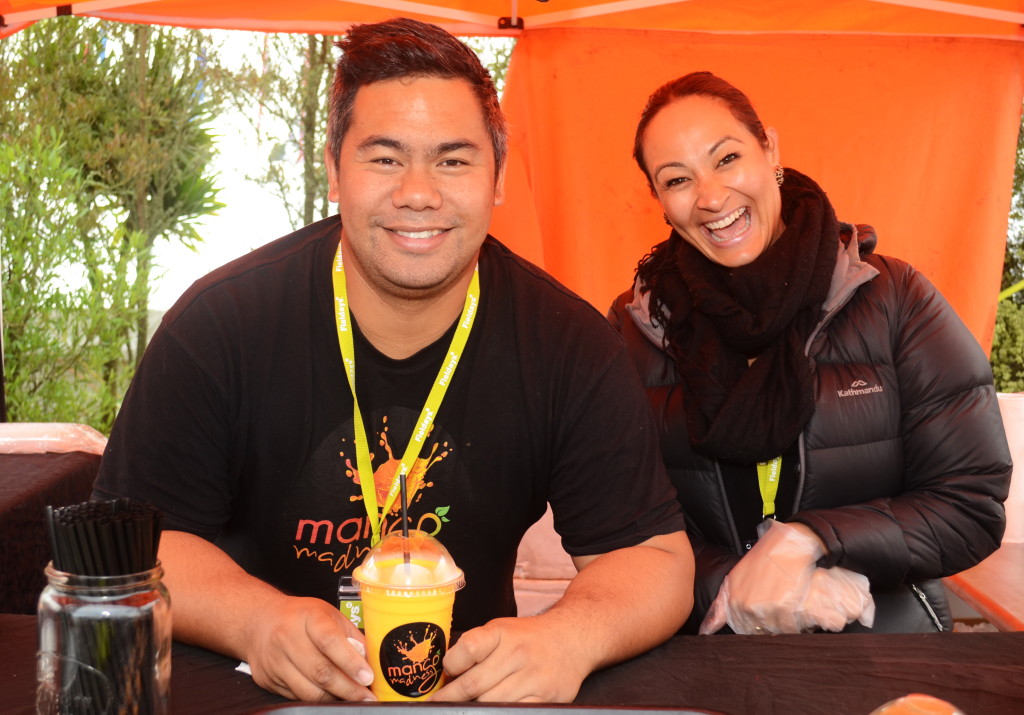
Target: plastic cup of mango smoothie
{"x":408,"y":585}
{"x":917,"y":704}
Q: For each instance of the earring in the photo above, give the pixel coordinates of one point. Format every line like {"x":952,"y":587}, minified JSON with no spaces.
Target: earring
{"x":779,"y":176}
{"x":665,"y":218}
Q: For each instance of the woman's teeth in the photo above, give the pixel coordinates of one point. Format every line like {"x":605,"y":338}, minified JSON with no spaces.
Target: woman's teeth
{"x":729,"y":227}
{"x":723,"y":222}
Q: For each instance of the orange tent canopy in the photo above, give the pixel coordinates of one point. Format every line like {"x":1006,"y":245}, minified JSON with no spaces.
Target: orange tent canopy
{"x":998,"y":18}
{"x":905,"y":111}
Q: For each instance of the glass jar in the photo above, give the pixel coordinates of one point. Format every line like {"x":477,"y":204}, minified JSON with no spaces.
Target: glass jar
{"x":104,"y":644}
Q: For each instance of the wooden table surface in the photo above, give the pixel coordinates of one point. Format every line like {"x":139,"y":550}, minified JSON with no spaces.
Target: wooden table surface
{"x":819,"y":674}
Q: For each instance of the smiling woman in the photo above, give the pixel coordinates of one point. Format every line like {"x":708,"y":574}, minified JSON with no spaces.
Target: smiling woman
{"x":717,"y":184}
{"x":823,"y":444}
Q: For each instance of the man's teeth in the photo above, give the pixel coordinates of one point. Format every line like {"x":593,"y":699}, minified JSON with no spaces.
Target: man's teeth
{"x":420,"y":234}
{"x":723,"y":222}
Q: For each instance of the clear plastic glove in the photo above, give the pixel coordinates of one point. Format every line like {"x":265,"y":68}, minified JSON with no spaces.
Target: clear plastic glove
{"x":766,"y":588}
{"x":778,"y":588}
{"x":837,"y":597}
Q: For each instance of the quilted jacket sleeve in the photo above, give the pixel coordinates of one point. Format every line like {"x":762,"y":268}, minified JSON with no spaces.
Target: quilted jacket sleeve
{"x":947,"y":514}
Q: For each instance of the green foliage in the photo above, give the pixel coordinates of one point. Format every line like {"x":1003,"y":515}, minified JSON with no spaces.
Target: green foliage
{"x":494,"y":53}
{"x":1013,"y":264}
{"x":63,"y":360}
{"x":1007,"y":356}
{"x":125,"y":105}
{"x":1008,"y":348}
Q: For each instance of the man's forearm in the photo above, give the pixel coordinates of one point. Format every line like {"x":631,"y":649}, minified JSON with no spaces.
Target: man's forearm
{"x":301,"y":648}
{"x":627,"y":601}
{"x":214,"y":600}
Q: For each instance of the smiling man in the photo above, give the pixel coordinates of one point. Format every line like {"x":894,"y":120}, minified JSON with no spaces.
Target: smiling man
{"x":241,"y":424}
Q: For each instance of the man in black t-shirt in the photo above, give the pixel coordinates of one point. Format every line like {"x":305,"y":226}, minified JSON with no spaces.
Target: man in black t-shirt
{"x":241,"y":424}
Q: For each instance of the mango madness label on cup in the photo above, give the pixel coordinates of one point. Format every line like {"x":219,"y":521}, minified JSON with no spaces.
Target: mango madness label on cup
{"x":411,"y":658}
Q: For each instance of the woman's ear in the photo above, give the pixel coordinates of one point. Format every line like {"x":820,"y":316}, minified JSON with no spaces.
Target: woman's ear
{"x":772,"y":148}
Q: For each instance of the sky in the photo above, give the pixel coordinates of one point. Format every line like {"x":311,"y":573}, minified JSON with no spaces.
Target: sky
{"x":251,"y":217}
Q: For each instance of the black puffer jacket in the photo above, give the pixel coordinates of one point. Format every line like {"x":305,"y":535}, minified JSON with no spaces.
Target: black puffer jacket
{"x":904,"y":464}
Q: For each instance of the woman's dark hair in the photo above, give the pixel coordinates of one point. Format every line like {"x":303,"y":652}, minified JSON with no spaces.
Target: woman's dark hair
{"x":408,"y":48}
{"x":703,"y":84}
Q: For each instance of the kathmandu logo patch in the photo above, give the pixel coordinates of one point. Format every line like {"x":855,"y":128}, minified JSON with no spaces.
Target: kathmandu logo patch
{"x":859,"y":387}
{"x":410,"y":658}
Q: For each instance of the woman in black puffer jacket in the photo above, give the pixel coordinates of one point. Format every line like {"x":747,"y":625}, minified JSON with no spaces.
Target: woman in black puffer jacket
{"x":828,"y":421}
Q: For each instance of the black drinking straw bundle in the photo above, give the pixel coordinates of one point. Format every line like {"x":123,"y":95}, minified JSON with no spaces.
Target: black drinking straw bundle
{"x":104,"y":620}
{"x":104,"y":538}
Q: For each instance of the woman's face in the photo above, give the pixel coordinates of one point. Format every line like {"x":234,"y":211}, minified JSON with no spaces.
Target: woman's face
{"x":714,"y":179}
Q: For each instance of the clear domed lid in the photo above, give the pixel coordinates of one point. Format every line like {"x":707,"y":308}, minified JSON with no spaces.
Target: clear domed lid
{"x":417,"y":561}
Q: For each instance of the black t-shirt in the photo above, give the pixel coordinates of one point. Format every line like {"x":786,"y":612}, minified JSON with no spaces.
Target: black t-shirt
{"x":238,"y":425}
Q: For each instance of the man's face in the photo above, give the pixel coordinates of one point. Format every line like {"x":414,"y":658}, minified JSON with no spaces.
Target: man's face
{"x":415,"y":185}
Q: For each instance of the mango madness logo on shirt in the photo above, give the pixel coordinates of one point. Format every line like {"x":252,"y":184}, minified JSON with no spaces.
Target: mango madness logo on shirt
{"x":342,"y":551}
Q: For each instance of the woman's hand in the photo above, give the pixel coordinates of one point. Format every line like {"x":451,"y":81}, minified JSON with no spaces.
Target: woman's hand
{"x":765,"y":591}
{"x":778,"y":588}
{"x":836,"y":597}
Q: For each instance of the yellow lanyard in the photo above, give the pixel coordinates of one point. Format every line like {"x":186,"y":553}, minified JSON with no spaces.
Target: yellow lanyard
{"x":430,"y":407}
{"x":768,"y":481}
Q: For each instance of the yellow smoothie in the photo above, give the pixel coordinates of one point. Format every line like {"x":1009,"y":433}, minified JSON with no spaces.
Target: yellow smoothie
{"x":407,"y":609}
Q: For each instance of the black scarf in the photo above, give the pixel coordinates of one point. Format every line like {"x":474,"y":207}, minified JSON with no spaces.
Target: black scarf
{"x":716,"y":318}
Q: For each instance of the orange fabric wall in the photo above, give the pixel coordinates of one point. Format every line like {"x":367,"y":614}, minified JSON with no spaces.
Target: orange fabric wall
{"x":914,"y":135}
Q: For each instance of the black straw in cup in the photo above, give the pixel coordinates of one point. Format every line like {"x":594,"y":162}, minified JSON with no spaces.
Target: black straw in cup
{"x":405,"y":517}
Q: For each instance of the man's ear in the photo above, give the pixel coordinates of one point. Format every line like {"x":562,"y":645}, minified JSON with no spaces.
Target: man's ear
{"x":499,"y":186}
{"x":332,"y":176}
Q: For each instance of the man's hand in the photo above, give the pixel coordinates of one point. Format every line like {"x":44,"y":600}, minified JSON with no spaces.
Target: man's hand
{"x":304,"y":649}
{"x":301,"y":648}
{"x":545,"y":658}
{"x":513,"y":660}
